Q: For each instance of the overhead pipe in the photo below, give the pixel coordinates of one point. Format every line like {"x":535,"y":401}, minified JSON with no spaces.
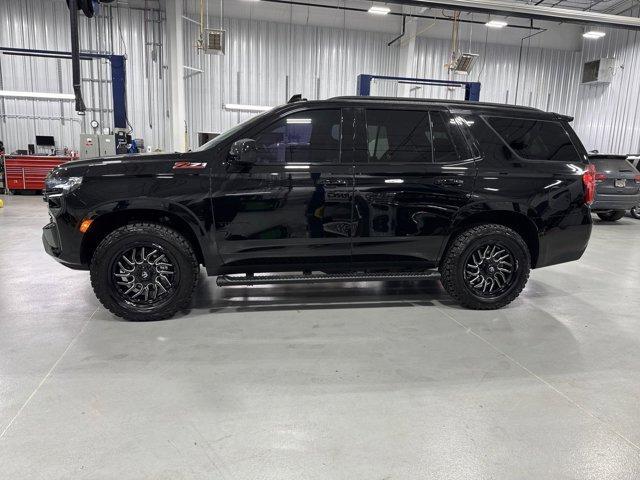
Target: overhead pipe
{"x":75,"y":57}
{"x":404,"y":25}
{"x":522,"y":10}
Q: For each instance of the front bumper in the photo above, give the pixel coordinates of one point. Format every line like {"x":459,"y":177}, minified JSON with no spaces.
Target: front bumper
{"x":615,"y":202}
{"x":53,"y":241}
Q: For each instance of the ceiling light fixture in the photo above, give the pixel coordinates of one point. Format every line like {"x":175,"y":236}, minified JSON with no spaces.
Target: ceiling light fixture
{"x":378,"y":10}
{"x":594,"y":34}
{"x":496,"y":24}
{"x":246,"y":108}
{"x":39,"y":95}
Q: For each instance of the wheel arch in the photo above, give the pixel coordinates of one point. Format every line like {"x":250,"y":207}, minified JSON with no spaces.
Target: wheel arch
{"x":517,"y":221}
{"x":105,"y":223}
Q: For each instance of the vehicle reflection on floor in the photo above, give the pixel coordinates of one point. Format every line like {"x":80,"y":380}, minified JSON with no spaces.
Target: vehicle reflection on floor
{"x":318,"y":296}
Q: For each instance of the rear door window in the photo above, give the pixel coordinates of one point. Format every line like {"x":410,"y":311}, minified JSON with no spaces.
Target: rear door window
{"x":398,"y":136}
{"x":535,"y":139}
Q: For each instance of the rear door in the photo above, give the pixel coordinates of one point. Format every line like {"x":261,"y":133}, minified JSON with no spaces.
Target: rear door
{"x":413,"y":171}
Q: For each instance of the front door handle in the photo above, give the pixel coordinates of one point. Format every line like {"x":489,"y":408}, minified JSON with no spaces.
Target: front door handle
{"x":449,"y":181}
{"x":334,"y":182}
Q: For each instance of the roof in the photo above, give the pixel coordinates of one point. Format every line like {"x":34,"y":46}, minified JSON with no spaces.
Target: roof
{"x":609,"y":156}
{"x":433,"y":101}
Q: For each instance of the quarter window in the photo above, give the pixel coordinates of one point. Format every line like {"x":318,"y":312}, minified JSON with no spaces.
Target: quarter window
{"x":449,"y":145}
{"x":535,"y":139}
{"x":312,"y":136}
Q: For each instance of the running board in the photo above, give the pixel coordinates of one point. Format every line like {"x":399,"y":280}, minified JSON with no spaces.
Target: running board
{"x":229,"y":280}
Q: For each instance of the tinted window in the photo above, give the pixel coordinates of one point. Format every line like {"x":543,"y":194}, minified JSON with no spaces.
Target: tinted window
{"x":449,"y":145}
{"x":535,"y":139}
{"x":312,"y":136}
{"x":398,"y":136}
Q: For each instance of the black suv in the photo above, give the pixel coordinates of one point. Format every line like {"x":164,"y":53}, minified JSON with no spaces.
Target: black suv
{"x":350,"y":188}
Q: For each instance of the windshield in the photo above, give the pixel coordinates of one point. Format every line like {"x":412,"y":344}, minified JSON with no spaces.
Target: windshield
{"x":229,"y":133}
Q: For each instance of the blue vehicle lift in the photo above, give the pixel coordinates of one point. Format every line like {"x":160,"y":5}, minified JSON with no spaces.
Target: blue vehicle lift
{"x":118,"y":75}
{"x":471,"y":89}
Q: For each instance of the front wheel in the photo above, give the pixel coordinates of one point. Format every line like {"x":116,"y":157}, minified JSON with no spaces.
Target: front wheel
{"x":612,"y":216}
{"x":635,"y":212}
{"x":144,"y":271}
{"x":486,"y":267}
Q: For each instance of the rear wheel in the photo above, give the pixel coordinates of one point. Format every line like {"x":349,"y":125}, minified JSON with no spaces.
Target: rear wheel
{"x":486,"y":267}
{"x":144,"y":271}
{"x":635,"y":212}
{"x":611,"y":216}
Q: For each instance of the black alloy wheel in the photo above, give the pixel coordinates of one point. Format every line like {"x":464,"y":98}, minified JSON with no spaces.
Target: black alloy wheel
{"x":144,"y":271}
{"x":145,"y":275}
{"x":490,"y":270}
{"x":486,"y":266}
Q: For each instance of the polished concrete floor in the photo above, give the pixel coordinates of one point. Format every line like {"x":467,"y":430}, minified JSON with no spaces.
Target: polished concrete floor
{"x":354,"y":381}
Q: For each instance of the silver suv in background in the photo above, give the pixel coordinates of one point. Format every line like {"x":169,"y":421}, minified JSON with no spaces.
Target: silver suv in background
{"x":617,"y":186}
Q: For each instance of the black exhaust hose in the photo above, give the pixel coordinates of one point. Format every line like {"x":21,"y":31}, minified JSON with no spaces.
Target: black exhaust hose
{"x":75,"y":56}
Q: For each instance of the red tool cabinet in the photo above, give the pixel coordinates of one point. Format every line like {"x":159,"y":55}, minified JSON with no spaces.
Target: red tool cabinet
{"x":27,"y":172}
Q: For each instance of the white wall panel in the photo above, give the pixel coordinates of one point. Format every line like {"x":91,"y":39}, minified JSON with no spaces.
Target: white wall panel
{"x":608,"y":116}
{"x":547,"y":77}
{"x":44,"y":25}
{"x":267,"y":62}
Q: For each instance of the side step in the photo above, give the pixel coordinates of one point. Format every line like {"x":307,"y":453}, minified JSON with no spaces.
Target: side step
{"x":229,"y":280}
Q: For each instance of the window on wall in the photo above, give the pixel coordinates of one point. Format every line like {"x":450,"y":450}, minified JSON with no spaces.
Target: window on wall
{"x":535,"y":139}
{"x":398,"y":136}
{"x":312,"y":136}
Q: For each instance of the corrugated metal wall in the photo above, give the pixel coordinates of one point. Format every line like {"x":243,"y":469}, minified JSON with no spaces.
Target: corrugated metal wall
{"x":608,"y":116}
{"x":263,"y":58}
{"x":266,"y":62}
{"x":45,"y":25}
{"x":547,"y":77}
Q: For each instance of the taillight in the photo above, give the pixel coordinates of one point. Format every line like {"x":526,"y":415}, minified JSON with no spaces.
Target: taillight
{"x":601,"y":177}
{"x":637,"y":177}
{"x":589,"y":181}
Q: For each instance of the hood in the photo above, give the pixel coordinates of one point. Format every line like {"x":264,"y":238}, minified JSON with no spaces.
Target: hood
{"x":125,"y":163}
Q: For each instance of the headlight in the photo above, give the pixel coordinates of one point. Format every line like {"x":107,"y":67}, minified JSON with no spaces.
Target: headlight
{"x":61,"y":185}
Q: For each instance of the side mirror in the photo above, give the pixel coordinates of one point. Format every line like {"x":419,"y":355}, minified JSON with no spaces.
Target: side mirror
{"x":243,"y":151}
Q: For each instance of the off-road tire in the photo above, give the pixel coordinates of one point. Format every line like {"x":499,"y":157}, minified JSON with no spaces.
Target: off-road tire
{"x":612,"y":216}
{"x":170,"y":240}
{"x":452,"y":267}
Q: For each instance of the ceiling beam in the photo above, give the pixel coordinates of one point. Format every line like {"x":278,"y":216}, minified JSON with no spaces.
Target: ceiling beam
{"x":523,"y":10}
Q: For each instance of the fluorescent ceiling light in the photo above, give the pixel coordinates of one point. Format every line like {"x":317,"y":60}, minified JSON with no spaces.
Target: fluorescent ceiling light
{"x":496,"y":24}
{"x":40,"y":95}
{"x":246,"y":108}
{"x":594,"y":34}
{"x":295,"y":167}
{"x":378,"y":10}
{"x":298,"y":121}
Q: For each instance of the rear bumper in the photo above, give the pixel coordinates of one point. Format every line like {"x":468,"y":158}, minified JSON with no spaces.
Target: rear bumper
{"x":566,"y":240}
{"x":615,"y":202}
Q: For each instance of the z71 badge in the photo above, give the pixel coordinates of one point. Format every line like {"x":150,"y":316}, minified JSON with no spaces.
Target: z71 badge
{"x":189,"y":165}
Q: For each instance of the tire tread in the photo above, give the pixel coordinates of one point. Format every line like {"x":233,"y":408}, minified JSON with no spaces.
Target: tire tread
{"x":450,"y":262}
{"x":143,"y":228}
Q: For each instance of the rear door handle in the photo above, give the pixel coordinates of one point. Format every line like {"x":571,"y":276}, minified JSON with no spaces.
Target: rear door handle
{"x":449,"y":181}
